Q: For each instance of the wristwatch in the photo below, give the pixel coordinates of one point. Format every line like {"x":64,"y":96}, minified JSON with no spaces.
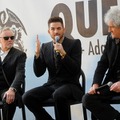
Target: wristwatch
{"x":13,"y":89}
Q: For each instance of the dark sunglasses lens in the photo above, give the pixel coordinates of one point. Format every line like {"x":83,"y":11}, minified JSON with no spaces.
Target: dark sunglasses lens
{"x":12,"y":37}
{"x":7,"y":38}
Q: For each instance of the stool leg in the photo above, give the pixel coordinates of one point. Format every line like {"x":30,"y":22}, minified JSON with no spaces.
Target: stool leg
{"x":1,"y":114}
{"x":69,"y":112}
{"x":23,"y":113}
{"x":57,"y":116}
{"x":84,"y":113}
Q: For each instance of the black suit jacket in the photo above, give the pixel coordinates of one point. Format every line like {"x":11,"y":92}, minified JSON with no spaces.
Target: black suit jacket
{"x":70,"y":68}
{"x":14,"y":67}
{"x":107,"y":63}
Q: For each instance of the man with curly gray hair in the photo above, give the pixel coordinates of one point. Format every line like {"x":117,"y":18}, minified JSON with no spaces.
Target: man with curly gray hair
{"x":107,"y":73}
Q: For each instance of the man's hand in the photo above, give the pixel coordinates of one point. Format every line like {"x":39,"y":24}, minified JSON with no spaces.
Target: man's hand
{"x":59,"y":48}
{"x":37,"y":48}
{"x":115,"y":87}
{"x":93,"y":89}
{"x":9,"y":96}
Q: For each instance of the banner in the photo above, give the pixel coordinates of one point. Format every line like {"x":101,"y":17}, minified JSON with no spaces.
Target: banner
{"x":84,"y":20}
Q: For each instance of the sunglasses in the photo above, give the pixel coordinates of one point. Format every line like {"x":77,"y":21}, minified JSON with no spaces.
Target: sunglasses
{"x":7,"y":37}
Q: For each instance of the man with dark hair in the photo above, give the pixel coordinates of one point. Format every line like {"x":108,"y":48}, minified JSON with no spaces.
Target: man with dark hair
{"x":96,"y":100}
{"x":12,"y":72}
{"x":62,"y":58}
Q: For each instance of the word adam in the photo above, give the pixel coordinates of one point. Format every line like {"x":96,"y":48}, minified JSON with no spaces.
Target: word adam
{"x":97,"y":49}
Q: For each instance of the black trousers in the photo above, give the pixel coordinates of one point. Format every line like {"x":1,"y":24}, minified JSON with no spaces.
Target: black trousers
{"x":101,"y":110}
{"x":8,"y":109}
{"x":61,"y":94}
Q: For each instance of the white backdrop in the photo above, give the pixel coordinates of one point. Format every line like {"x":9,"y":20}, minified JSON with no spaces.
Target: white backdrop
{"x":83,"y":19}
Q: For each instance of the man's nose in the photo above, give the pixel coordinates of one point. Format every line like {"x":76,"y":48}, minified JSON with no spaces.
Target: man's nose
{"x":56,"y":31}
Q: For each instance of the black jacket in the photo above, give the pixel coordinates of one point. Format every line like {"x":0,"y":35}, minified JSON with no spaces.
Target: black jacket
{"x":106,"y":69}
{"x":14,"y":67}
{"x":70,"y":68}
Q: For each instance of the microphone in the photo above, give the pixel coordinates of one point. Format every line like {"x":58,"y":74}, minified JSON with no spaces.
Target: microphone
{"x":104,"y":88}
{"x":57,"y":38}
{"x":110,"y":84}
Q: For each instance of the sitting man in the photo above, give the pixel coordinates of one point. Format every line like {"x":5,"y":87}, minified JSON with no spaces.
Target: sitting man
{"x":62,"y":58}
{"x":94,"y":100}
{"x":12,"y":72}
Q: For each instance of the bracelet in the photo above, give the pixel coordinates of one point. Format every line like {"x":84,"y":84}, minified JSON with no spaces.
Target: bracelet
{"x":63,"y":55}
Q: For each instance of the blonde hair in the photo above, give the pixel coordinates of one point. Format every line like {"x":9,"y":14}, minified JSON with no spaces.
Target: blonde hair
{"x":6,"y":28}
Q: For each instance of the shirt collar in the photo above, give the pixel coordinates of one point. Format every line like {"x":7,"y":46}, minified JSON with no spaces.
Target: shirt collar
{"x":3,"y":54}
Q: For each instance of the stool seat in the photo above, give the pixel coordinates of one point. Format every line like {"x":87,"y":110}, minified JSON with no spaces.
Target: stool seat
{"x":51,"y":102}
{"x":115,"y":100}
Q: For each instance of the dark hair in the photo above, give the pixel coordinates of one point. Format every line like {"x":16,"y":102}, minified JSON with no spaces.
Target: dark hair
{"x":55,"y":19}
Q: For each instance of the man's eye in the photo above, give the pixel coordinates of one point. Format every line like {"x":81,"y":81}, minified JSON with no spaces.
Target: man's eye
{"x":52,"y":29}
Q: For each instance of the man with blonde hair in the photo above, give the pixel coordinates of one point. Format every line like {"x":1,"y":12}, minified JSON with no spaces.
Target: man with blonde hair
{"x":12,"y":72}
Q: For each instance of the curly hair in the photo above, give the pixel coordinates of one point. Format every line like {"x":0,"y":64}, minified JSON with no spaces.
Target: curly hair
{"x":113,"y":15}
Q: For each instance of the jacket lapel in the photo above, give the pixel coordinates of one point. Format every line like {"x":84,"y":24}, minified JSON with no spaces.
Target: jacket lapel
{"x":8,"y":56}
{"x":115,"y":56}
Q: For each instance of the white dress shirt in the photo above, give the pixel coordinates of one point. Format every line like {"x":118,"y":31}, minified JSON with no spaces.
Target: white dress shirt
{"x":3,"y":54}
